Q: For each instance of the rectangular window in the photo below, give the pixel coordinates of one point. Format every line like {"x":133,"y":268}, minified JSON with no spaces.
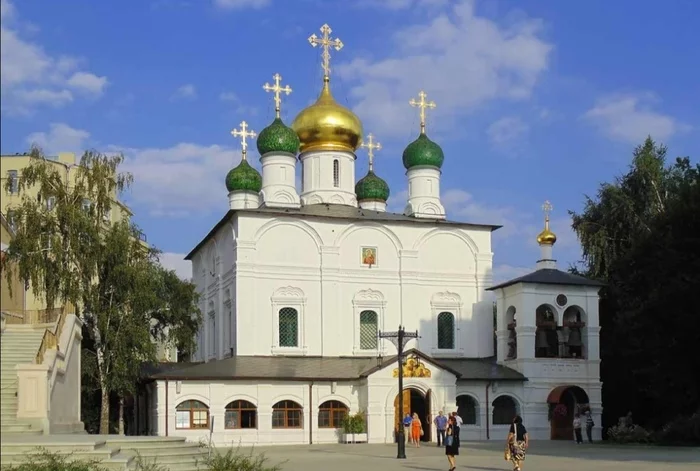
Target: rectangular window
{"x":288,"y":327}
{"x":13,"y":176}
{"x":199,"y":418}
{"x":336,"y":173}
{"x":50,"y":203}
{"x":182,"y":419}
{"x":368,"y":330}
{"x":11,"y":220}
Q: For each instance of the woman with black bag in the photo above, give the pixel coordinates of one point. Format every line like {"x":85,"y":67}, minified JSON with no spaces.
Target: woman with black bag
{"x":452,"y":442}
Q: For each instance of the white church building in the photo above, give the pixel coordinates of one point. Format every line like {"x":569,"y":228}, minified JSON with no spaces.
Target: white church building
{"x":296,"y":284}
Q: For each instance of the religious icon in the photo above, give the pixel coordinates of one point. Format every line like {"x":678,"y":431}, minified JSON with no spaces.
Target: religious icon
{"x":413,"y":367}
{"x":369,"y":256}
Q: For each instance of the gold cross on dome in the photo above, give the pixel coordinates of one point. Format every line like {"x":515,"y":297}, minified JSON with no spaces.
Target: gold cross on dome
{"x":547,"y":208}
{"x":277,"y":90}
{"x":371,"y":146}
{"x":326,"y":42}
{"x":243,"y":134}
{"x":422,"y":104}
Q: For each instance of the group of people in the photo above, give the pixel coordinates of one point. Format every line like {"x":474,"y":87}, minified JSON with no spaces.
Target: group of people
{"x":578,"y":425}
{"x":448,"y":427}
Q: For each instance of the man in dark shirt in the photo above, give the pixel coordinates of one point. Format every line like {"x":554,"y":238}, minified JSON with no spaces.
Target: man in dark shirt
{"x":589,"y":426}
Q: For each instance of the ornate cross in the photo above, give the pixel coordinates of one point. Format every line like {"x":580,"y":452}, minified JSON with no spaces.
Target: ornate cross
{"x":326,"y":42}
{"x":422,"y":104}
{"x":243,"y":134}
{"x":371,"y":146}
{"x":547,"y":208}
{"x":277,"y":90}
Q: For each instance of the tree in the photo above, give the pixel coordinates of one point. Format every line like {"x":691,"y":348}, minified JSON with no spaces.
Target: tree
{"x":70,"y":254}
{"x":639,"y":236}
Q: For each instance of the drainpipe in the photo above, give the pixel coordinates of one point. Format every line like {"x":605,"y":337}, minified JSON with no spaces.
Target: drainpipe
{"x":167,"y":411}
{"x":488,"y":434}
{"x":311,"y":414}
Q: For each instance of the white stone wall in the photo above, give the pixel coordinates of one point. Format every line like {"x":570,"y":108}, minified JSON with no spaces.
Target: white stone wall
{"x":315,"y":267}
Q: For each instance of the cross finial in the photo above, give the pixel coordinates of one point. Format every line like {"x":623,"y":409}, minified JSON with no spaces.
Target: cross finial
{"x":547,"y":208}
{"x":423,"y":105}
{"x":371,"y":146}
{"x":243,"y":134}
{"x":277,"y":90}
{"x":326,"y":43}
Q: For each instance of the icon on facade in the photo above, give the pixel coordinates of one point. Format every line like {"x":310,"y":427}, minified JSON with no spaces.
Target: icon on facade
{"x":369,"y":256}
{"x":413,"y":367}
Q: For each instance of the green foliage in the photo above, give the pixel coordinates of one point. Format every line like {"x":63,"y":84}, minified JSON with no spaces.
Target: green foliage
{"x":633,"y":434}
{"x":43,"y":460}
{"x":681,"y":431}
{"x":145,"y":464}
{"x":640,"y":236}
{"x":354,"y":423}
{"x":236,"y":460}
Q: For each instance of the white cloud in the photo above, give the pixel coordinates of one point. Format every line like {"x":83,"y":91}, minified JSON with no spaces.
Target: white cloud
{"x":240,"y":4}
{"x":460,"y":59}
{"x":31,"y":78}
{"x":630,"y":118}
{"x":507,"y":132}
{"x":177,"y":263}
{"x":185,"y":92}
{"x":60,"y":138}
{"x":505,"y":272}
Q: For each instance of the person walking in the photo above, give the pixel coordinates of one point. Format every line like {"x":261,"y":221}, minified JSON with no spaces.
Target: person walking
{"x":452,"y":442}
{"x":441,"y":426}
{"x":589,"y":426}
{"x":517,"y":443}
{"x":416,"y":430}
{"x":407,"y":427}
{"x":577,"y":429}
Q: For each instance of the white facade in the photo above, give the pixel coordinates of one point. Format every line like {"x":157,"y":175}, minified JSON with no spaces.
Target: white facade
{"x":279,"y":180}
{"x":424,"y":193}
{"x":328,"y":177}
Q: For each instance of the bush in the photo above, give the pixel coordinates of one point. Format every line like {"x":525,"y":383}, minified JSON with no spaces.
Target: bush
{"x":235,"y":460}
{"x":354,"y":423}
{"x":681,"y":431}
{"x":44,"y":460}
{"x":622,"y":433}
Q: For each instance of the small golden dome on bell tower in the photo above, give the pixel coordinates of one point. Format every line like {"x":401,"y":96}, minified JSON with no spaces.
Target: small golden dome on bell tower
{"x":546,"y":237}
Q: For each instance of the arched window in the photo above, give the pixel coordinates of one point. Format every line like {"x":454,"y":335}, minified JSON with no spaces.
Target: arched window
{"x":504,"y":410}
{"x":336,"y":173}
{"x":331,"y":414}
{"x":446,"y":330}
{"x":289,"y":327}
{"x":241,"y":414}
{"x":546,"y":338}
{"x":191,"y":414}
{"x":286,"y":414}
{"x":467,"y":409}
{"x":368,"y":330}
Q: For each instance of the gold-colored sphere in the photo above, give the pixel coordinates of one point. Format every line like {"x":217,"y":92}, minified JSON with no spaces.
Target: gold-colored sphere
{"x":326,"y":125}
{"x":546,"y":237}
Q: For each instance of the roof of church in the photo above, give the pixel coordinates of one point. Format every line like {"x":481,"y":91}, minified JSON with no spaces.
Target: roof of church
{"x":338,"y":211}
{"x":319,"y":368}
{"x":550,"y":276}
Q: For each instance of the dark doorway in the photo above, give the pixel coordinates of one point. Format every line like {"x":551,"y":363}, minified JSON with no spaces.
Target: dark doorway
{"x":564,"y":402}
{"x":419,"y":406}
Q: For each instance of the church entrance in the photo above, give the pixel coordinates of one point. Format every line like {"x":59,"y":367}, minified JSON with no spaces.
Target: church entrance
{"x":416,"y":402}
{"x":564,"y":402}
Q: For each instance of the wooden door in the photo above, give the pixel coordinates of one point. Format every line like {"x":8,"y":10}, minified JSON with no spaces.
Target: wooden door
{"x":399,"y":415}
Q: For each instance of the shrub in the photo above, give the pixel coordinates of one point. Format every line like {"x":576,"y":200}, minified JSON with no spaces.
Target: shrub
{"x":235,"y":460}
{"x":681,"y":431}
{"x":621,"y":433}
{"x":44,"y":460}
{"x":144,"y":464}
{"x":354,"y":423}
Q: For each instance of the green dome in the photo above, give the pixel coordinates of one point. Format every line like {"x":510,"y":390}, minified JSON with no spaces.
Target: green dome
{"x":243,"y":178}
{"x":278,"y":138}
{"x":371,"y":187}
{"x":423,"y":151}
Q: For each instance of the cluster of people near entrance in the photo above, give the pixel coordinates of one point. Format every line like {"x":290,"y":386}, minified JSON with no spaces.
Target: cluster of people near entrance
{"x":448,"y":427}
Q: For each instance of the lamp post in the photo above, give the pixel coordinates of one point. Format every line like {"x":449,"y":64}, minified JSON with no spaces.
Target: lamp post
{"x":400,"y":338}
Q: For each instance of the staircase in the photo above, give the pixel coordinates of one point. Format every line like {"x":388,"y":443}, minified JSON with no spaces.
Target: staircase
{"x":19,"y":345}
{"x":114,"y":452}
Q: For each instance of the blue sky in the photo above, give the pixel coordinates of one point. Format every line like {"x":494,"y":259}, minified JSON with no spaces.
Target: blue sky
{"x":536,"y":99}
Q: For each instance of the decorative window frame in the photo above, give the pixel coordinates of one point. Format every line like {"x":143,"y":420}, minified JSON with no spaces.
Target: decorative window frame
{"x":446,"y":301}
{"x":368,"y":300}
{"x":212,"y":331}
{"x":289,"y":296}
{"x":227,"y":323}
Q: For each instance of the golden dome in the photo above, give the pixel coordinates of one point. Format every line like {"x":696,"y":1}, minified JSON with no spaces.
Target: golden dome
{"x":326,"y":125}
{"x":546,"y":237}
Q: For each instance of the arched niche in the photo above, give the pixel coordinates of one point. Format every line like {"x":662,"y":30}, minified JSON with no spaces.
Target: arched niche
{"x":546,"y":334}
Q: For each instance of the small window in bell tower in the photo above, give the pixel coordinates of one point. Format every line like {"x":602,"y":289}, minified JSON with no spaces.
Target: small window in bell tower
{"x":336,"y":173}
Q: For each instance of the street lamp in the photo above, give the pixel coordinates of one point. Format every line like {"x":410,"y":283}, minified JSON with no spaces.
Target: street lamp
{"x":400,"y":339}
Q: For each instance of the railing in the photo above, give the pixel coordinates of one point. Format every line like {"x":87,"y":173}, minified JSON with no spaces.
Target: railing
{"x":50,"y":339}
{"x":35,"y":316}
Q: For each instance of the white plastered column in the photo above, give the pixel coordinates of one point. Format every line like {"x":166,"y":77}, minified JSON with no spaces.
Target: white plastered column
{"x":424,"y":193}
{"x":243,"y":200}
{"x":279,"y":180}
{"x":324,"y":181}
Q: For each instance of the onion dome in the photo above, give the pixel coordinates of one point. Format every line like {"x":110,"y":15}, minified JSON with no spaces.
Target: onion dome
{"x":278,"y":137}
{"x":546,"y":237}
{"x":244,"y":178}
{"x":423,"y":152}
{"x":326,"y":125}
{"x":371,"y":187}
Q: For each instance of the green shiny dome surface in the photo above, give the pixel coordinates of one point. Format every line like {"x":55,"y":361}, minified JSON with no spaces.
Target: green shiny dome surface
{"x":423,"y":151}
{"x":278,"y":137}
{"x":243,"y":178}
{"x":371,"y":187}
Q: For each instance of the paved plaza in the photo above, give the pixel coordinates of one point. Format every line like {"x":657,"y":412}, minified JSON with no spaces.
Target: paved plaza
{"x":484,"y":456}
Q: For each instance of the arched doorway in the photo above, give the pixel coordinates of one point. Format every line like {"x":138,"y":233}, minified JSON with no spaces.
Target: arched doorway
{"x":564,"y":402}
{"x":414,"y":401}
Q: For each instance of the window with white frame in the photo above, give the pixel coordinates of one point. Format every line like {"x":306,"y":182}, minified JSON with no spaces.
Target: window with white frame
{"x":288,"y":327}
{"x":336,"y":173}
{"x":228,"y":314}
{"x":446,"y":308}
{"x":446,"y":331}
{"x":369,"y":308}
{"x":368,"y":330}
{"x":288,"y":314}
{"x":191,"y":414}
